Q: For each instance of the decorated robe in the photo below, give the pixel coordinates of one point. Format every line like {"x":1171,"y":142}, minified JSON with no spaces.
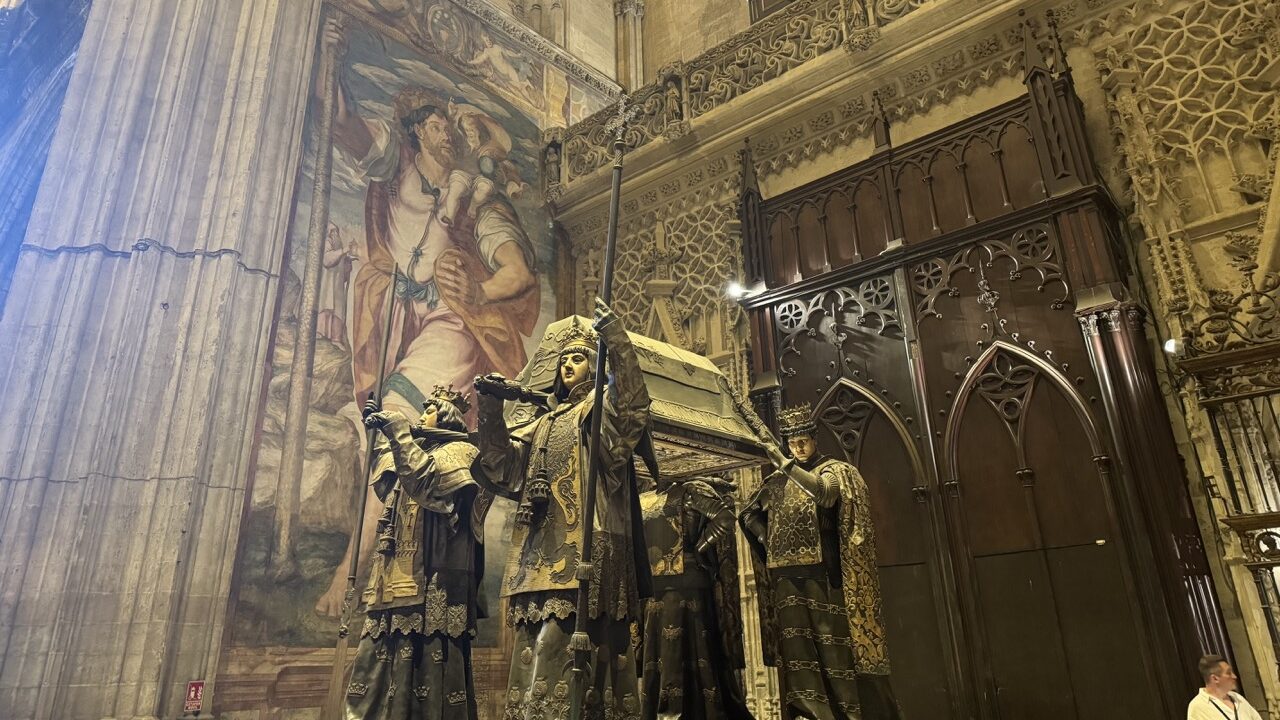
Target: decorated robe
{"x":540,"y":584}
{"x":824,"y":605}
{"x":414,"y":657}
{"x":692,"y":642}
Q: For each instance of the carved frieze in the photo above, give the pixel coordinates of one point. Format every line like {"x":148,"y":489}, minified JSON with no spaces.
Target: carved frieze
{"x":835,"y":316}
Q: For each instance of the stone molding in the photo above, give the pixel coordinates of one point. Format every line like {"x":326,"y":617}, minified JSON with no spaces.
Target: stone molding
{"x":553,"y":54}
{"x":965,"y":49}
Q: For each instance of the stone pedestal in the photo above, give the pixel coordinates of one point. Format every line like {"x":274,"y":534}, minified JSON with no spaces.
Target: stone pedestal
{"x":132,"y":350}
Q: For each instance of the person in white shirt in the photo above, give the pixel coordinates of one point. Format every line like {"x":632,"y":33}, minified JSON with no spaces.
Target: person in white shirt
{"x":1218,"y":698}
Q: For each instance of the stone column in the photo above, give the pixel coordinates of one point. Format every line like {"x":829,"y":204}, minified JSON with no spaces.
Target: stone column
{"x":629,"y":21}
{"x":133,"y":349}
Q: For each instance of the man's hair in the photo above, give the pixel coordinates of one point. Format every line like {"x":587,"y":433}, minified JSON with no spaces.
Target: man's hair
{"x":447,"y":416}
{"x":1210,"y":665}
{"x":414,"y":118}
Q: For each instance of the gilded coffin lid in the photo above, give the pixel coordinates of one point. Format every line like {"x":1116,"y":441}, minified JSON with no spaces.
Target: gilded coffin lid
{"x":695,"y":426}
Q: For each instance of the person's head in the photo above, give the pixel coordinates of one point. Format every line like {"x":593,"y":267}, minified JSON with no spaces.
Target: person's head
{"x":575,"y":363}
{"x":797,"y":428}
{"x":445,"y":410}
{"x":428,"y":131}
{"x":1217,"y":674}
{"x":802,"y":446}
{"x":471,"y":130}
{"x":575,"y":366}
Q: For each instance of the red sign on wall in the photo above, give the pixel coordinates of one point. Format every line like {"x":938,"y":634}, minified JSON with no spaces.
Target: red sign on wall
{"x":195,"y":697}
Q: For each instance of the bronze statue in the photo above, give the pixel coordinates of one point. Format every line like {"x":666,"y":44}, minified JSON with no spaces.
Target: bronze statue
{"x":541,"y":461}
{"x":692,"y":641}
{"x":414,"y":657}
{"x":810,"y":523}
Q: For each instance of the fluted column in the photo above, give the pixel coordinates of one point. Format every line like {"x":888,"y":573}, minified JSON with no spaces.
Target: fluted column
{"x":133,"y":345}
{"x":629,"y":22}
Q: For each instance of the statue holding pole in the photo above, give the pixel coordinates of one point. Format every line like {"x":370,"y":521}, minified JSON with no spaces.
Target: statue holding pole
{"x":577,"y":568}
{"x":414,"y":656}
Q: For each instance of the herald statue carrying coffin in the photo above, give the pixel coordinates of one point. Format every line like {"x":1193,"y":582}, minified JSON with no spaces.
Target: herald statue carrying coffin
{"x":810,"y":524}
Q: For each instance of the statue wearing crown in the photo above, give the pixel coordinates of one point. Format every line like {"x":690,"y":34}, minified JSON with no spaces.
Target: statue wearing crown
{"x":810,"y":525}
{"x":537,"y":455}
{"x":414,"y":656}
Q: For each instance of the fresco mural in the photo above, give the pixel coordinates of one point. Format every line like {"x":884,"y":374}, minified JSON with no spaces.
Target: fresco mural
{"x":436,"y":140}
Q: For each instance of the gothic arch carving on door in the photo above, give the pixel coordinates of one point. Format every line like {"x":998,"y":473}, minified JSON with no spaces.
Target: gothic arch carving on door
{"x":1036,"y":518}
{"x":1008,"y":389}
{"x":847,"y":408}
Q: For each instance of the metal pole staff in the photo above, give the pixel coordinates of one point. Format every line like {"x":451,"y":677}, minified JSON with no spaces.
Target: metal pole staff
{"x":580,"y":642}
{"x":334,"y":703}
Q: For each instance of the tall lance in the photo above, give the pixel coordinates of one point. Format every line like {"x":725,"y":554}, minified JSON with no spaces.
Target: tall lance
{"x":334,"y":703}
{"x":580,"y":642}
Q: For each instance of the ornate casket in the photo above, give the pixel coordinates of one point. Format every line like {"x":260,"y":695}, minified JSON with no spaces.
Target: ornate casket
{"x":696,"y":429}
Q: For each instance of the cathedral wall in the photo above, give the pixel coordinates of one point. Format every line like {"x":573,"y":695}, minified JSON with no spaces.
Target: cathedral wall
{"x":589,"y":34}
{"x":675,"y":31}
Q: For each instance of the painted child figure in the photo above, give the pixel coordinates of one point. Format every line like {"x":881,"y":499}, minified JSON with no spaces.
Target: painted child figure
{"x":414,"y":656}
{"x":489,"y":145}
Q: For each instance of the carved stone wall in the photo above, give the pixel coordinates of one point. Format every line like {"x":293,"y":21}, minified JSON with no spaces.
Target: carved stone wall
{"x":677,"y":31}
{"x":1180,"y":120}
{"x":1191,"y":96}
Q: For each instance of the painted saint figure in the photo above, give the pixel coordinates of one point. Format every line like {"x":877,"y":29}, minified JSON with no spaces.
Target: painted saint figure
{"x":466,"y":294}
{"x":543,"y":464}
{"x":414,"y":656}
{"x":811,"y":525}
{"x":690,"y":648}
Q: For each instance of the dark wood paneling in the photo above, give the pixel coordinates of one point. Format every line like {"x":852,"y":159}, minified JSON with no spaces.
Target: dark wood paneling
{"x":940,"y":279}
{"x":1021,"y":165}
{"x":1027,"y":660}
{"x":917,"y":652}
{"x":1089,"y":580}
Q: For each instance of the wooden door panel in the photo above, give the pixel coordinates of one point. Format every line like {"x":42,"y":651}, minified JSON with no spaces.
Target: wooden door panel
{"x":1071,"y":501}
{"x":995,"y":505}
{"x":985,"y":180}
{"x":947,"y":187}
{"x":842,"y":248}
{"x":872,"y":219}
{"x":917,"y":654}
{"x":813,"y":249}
{"x":1029,"y":668}
{"x":1095,"y":614}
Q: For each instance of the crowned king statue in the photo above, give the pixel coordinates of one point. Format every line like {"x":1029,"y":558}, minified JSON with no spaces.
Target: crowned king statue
{"x":537,"y":455}
{"x":810,"y":524}
{"x":414,"y":656}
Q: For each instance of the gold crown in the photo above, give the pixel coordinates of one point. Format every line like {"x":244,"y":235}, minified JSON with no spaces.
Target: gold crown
{"x":579,"y":337}
{"x":459,"y":400}
{"x":796,"y":420}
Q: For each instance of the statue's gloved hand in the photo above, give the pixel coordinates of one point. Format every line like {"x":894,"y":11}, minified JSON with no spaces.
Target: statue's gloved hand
{"x":711,"y":537}
{"x":495,"y":385}
{"x":382,"y":418}
{"x":603,"y":316}
{"x":776,"y":456}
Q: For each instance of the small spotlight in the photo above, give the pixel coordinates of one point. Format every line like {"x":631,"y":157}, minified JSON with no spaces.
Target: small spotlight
{"x":735,"y":290}
{"x":1173,"y":346}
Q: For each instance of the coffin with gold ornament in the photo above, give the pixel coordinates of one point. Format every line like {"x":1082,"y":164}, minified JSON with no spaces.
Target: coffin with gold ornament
{"x":696,"y":429}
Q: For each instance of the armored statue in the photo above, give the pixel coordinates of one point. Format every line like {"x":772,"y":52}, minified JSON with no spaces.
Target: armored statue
{"x":414,"y":656}
{"x":541,"y":461}
{"x":692,"y":641}
{"x":810,"y":523}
